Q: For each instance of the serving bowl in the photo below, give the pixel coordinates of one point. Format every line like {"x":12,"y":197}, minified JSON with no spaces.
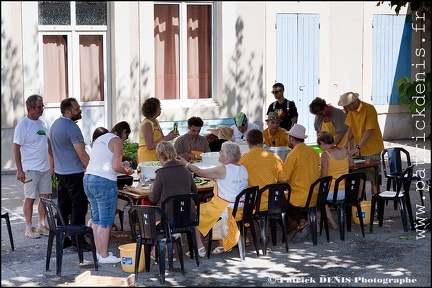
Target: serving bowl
{"x":149,"y":168}
{"x":123,"y":180}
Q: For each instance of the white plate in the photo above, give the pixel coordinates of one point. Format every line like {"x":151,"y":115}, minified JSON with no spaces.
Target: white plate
{"x":358,"y":161}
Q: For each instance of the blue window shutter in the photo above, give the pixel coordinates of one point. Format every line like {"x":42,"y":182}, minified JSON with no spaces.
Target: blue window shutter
{"x":391,"y":56}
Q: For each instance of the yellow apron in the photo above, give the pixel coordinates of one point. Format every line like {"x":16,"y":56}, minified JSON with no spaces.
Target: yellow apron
{"x":145,"y":154}
{"x":210,"y":213}
{"x":328,"y":126}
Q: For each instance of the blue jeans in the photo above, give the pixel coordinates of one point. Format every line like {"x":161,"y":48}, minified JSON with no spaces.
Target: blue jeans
{"x":102,"y":194}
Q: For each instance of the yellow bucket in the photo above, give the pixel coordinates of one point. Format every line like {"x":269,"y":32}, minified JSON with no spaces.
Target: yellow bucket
{"x":366,"y":210}
{"x":127,"y":256}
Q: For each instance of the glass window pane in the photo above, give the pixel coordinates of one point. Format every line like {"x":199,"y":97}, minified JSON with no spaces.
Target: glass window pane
{"x":55,"y":69}
{"x":199,"y":51}
{"x":91,"y":13}
{"x":91,"y":68}
{"x":54,"y":13}
{"x":166,"y":49}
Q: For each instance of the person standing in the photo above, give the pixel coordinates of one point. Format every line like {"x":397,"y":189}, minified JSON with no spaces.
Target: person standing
{"x":364,"y":129}
{"x":274,"y":135}
{"x":100,"y":185}
{"x":286,"y":109}
{"x":70,"y":161}
{"x":301,"y":168}
{"x":150,"y":132}
{"x":192,"y":144}
{"x":329,"y":118}
{"x":242,"y":126}
{"x":34,"y":161}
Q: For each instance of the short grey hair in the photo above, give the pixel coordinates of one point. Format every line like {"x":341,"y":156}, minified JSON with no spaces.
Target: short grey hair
{"x":231,"y":150}
{"x":32,"y":100}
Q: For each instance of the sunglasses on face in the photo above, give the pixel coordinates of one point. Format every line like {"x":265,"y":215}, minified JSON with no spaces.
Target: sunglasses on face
{"x":276,"y":91}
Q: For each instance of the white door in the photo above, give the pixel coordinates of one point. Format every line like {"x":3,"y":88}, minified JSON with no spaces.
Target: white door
{"x":297,"y":63}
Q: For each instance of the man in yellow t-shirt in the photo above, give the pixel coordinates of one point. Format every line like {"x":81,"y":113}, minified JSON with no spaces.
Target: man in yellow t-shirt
{"x":274,"y":135}
{"x":301,"y":169}
{"x":362,"y":120}
{"x":264,"y":167}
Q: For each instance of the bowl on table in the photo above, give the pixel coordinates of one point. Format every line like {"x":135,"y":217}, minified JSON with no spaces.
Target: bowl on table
{"x":123,"y":180}
{"x":149,"y":168}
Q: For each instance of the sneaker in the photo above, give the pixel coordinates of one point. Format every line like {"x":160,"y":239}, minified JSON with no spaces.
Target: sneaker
{"x":98,"y":255}
{"x":111,"y":259}
{"x":32,"y":233}
{"x":43,"y":230}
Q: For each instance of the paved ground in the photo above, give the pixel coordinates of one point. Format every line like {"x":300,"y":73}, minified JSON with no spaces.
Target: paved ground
{"x":387,"y":257}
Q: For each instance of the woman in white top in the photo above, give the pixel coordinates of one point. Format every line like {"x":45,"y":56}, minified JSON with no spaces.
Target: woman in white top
{"x":231,"y":178}
{"x":100,"y":185}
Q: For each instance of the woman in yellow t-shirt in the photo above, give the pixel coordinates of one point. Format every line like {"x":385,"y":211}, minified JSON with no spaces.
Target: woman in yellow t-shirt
{"x":150,"y":132}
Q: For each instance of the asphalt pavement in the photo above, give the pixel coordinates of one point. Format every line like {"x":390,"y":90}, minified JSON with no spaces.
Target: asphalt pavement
{"x":387,"y":257}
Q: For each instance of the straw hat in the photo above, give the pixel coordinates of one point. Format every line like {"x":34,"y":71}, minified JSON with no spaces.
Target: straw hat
{"x":273,"y":116}
{"x":223,"y":132}
{"x":298,"y":131}
{"x":348,"y":98}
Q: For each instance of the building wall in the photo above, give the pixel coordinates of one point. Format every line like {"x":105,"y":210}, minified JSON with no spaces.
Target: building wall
{"x":246,"y":70}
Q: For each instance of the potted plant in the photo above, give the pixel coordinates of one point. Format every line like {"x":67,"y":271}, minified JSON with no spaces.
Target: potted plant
{"x":416,"y":95}
{"x":130,"y":152}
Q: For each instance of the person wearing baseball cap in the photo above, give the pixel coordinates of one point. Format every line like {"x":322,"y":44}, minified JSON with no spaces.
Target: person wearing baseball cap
{"x":364,"y":130}
{"x":242,"y":126}
{"x":274,"y":135}
{"x":301,"y":169}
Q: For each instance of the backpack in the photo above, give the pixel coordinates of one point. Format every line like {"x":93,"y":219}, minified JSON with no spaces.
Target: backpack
{"x":287,"y":103}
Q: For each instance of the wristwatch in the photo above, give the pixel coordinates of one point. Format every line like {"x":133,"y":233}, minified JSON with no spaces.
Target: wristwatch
{"x":358,"y":147}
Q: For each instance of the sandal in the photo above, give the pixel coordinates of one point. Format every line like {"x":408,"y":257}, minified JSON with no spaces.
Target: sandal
{"x":201,"y":251}
{"x":220,"y":250}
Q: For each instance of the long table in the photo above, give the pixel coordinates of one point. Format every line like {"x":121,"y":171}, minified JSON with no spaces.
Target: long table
{"x":134,"y":194}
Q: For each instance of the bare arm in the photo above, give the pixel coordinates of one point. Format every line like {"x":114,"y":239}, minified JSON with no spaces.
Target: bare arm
{"x":50,"y":157}
{"x":218,"y":172}
{"x":116,"y":147}
{"x":82,"y":153}
{"x":17,"y":156}
{"x":324,"y":164}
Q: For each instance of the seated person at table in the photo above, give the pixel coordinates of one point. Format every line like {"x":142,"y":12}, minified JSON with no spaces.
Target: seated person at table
{"x":301,"y":168}
{"x":274,"y":135}
{"x":172,"y":179}
{"x":231,"y":179}
{"x":218,"y":136}
{"x":191,"y":145}
{"x":264,"y":167}
{"x":335,"y":161}
{"x":242,"y":126}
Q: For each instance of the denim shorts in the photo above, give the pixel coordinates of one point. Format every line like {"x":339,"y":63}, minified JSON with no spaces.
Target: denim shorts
{"x":102,"y":194}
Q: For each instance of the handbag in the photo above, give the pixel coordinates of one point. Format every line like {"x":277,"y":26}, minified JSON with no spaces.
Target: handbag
{"x":220,"y":229}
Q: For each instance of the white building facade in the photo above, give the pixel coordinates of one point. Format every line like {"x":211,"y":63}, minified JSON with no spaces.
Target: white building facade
{"x":207,"y":58}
